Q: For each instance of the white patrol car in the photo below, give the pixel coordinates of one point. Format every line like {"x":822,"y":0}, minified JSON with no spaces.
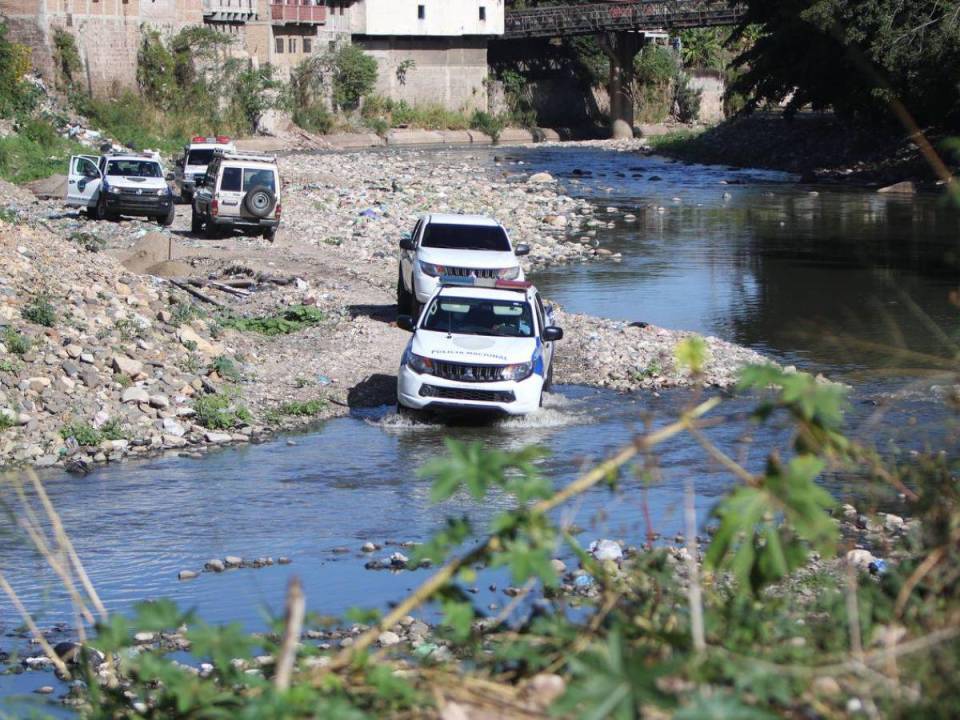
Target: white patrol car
{"x":121,"y":184}
{"x":478,"y":345}
{"x":462,"y":246}
{"x":193,"y":165}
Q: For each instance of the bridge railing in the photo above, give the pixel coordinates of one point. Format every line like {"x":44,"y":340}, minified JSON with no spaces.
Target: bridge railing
{"x":597,"y":17}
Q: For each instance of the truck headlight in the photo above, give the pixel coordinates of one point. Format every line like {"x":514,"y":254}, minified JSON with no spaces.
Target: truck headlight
{"x":510,"y":273}
{"x":114,"y":190}
{"x":419,"y":364}
{"x":431,"y":269}
{"x":520,"y":371}
{"x":163,"y":191}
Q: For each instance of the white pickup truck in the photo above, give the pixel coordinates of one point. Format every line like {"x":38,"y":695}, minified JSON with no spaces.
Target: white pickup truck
{"x":121,"y":184}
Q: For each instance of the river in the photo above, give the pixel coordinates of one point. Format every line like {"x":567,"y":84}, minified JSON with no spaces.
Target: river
{"x":852,"y":283}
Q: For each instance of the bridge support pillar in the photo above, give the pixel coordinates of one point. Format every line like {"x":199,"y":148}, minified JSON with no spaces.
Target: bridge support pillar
{"x":621,"y":48}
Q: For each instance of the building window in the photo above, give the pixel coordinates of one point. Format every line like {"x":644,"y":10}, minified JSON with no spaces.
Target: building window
{"x":292,"y":45}
{"x":279,"y":45}
{"x":421,"y":12}
{"x":483,"y":13}
{"x":307,"y":45}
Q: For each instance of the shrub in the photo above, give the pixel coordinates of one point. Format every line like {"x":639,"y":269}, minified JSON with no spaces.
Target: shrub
{"x":66,"y":57}
{"x":487,"y":123}
{"x":220,"y":412}
{"x":16,"y":96}
{"x":88,"y":241}
{"x":84,"y":434}
{"x":686,"y":99}
{"x":226,"y":368}
{"x":16,"y":343}
{"x":314,"y":117}
{"x":40,"y":311}
{"x":23,"y":159}
{"x":354,"y":76}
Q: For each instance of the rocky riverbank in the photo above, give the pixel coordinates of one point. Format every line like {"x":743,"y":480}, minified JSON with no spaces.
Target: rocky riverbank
{"x":817,"y":147}
{"x":106,"y":356}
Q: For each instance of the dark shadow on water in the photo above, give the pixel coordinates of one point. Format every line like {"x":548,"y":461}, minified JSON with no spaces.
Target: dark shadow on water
{"x":372,"y":391}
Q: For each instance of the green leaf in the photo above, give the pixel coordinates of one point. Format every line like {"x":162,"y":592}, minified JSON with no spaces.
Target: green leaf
{"x":458,"y":616}
{"x":721,"y":707}
{"x":692,"y":353}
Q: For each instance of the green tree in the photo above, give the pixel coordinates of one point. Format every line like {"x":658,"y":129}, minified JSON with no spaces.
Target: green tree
{"x":354,"y":75}
{"x":855,"y":56}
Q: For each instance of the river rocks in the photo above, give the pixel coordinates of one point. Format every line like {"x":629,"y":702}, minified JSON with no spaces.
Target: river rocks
{"x":215,"y":565}
{"x":186,"y":575}
{"x":905,"y":188}
{"x":387,"y":639}
{"x":860,"y":558}
{"x":540,"y":177}
{"x":135,"y":395}
{"x":127,"y":366}
{"x":217,"y":438}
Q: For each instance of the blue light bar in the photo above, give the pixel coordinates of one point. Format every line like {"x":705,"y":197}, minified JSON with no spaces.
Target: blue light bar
{"x":457,"y":280}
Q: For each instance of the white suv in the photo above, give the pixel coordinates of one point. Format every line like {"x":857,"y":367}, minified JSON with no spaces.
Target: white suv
{"x":121,"y":184}
{"x":478,"y":345}
{"x":196,"y":157}
{"x":240,"y":190}
{"x":457,"y":246}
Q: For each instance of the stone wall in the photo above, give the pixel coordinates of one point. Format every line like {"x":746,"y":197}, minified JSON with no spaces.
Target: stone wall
{"x":107,"y":33}
{"x":446,"y":71}
{"x":712,"y":88}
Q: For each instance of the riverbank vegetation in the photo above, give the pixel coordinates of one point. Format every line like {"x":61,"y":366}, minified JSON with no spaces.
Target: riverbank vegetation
{"x":764,"y":623}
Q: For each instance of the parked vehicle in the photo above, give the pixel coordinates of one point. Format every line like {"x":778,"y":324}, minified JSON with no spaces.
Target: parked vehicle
{"x":479,"y":344}
{"x":238,"y":191}
{"x":193,"y":164}
{"x":121,"y":184}
{"x":457,"y":246}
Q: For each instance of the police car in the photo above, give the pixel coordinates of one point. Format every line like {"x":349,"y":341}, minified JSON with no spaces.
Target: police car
{"x":193,"y":165}
{"x":121,"y":183}
{"x":478,"y":344}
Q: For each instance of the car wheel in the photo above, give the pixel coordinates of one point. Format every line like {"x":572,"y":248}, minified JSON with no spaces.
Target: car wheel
{"x":101,"y":210}
{"x":403,"y":297}
{"x":269,"y":234}
{"x":186,"y":198}
{"x":196,"y":222}
{"x":405,"y":412}
{"x":415,"y":309}
{"x":167,"y":220}
{"x":548,"y":381}
{"x":210,"y":229}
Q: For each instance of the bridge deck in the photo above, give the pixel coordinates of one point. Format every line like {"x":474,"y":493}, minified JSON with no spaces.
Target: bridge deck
{"x":625,"y":16}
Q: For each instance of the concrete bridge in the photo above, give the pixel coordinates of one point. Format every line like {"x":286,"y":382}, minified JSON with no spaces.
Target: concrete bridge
{"x":619,"y":26}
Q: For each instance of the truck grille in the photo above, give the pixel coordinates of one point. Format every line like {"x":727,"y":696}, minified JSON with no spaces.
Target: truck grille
{"x":490,"y":274}
{"x":447,"y":393}
{"x":467,"y":373}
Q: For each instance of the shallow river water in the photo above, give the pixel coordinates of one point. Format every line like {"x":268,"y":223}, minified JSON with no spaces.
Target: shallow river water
{"x":834,"y":281}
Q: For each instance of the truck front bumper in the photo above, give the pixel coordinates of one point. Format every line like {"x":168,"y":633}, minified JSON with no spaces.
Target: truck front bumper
{"x":139,"y":204}
{"x":427,"y":392}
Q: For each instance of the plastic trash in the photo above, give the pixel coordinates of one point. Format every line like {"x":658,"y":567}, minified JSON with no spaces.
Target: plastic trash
{"x":323,"y":380}
{"x":582,"y":581}
{"x":369,"y":213}
{"x":878,"y":567}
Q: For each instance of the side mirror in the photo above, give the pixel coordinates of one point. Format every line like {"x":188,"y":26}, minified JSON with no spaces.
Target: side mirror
{"x":407,"y":244}
{"x":552,"y":333}
{"x":170,"y":177}
{"x":405,"y":322}
{"x":521,"y":250}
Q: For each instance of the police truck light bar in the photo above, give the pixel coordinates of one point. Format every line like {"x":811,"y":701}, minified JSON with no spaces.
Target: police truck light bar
{"x":485,"y":282}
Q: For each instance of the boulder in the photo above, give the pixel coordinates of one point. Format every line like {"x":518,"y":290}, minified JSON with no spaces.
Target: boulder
{"x":540,"y":178}
{"x":135,"y":395}
{"x":127,"y":366}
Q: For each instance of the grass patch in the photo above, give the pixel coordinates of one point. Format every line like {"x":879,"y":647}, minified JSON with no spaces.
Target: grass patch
{"x":34,"y":153}
{"x":6,"y":422}
{"x":88,"y":241}
{"x":226,"y":368}
{"x":306,"y":408}
{"x":86,"y":435}
{"x":289,"y":321}
{"x":220,"y":412}
{"x":680,"y":143}
{"x":40,"y":311}
{"x":15,"y":342}
{"x":9,"y":366}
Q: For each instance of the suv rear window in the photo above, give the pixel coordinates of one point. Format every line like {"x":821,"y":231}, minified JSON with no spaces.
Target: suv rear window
{"x":236,"y":179}
{"x":134,"y":168}
{"x":465,"y":237}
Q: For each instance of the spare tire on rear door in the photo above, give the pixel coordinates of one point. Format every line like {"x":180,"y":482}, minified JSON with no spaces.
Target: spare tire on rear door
{"x":259,"y":201}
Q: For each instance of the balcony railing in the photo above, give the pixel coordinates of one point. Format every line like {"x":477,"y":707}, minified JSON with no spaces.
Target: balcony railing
{"x":293,"y":12}
{"x":234,"y":10}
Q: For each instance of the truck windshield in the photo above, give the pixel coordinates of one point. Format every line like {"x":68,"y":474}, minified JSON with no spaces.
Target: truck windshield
{"x":465,"y":237}
{"x":479,"y":316}
{"x":200,"y":157}
{"x":134,"y":168}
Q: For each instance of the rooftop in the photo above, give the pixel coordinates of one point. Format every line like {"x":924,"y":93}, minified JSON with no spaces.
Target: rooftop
{"x":455,"y":219}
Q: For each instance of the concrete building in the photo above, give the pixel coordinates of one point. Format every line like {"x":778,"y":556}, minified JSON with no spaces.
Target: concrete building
{"x":429,"y":51}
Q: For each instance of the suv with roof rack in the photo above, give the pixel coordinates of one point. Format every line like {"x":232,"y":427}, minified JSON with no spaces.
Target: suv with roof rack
{"x":240,"y":190}
{"x":453,"y":245}
{"x":192,"y":166}
{"x":479,"y":344}
{"x":119,"y":183}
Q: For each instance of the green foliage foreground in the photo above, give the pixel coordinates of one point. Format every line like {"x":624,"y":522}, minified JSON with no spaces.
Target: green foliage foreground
{"x":767,"y":627}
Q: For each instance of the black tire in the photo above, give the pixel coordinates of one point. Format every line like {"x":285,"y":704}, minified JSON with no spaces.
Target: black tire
{"x":196,"y":222}
{"x":259,"y":201}
{"x":186,"y":198}
{"x":415,"y":309}
{"x":210,"y":229}
{"x":167,"y":220}
{"x":405,"y":412}
{"x":101,"y":212}
{"x":404,"y":299}
{"x":269,"y":234}
{"x":548,"y":380}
